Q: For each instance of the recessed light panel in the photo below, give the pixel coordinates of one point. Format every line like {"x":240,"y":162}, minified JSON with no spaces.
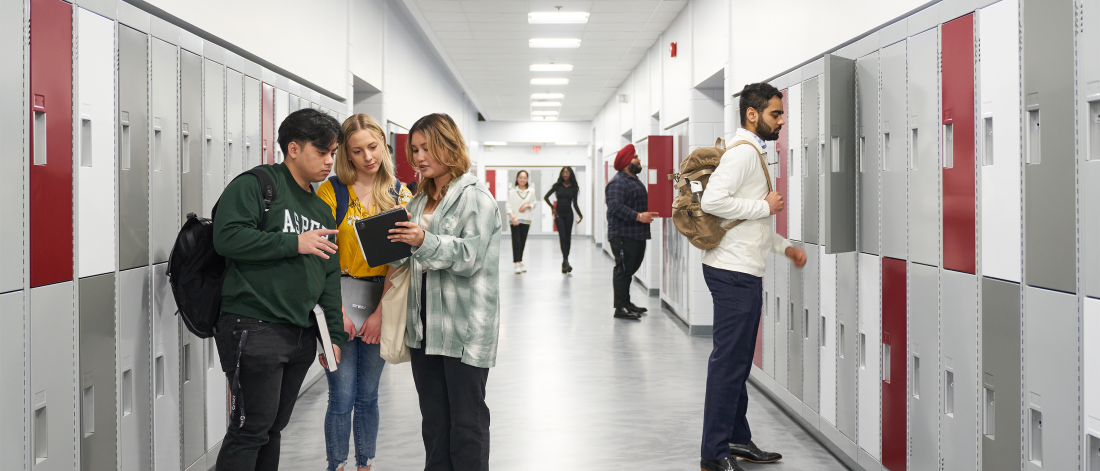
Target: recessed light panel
{"x":557,"y":17}
{"x":551,"y":67}
{"x":546,"y":103}
{"x":555,"y":42}
{"x":549,"y":81}
{"x":547,"y":96}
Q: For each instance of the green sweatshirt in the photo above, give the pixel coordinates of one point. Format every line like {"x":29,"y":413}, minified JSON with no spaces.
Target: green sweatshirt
{"x":268,"y":279}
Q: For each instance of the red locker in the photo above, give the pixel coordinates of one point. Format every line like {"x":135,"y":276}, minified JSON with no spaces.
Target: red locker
{"x":491,"y":181}
{"x":660,"y":167}
{"x":267,"y":124}
{"x":894,"y":372}
{"x":405,"y":171}
{"x":781,"y":177}
{"x":758,"y":357}
{"x":957,"y":54}
{"x":51,"y":142}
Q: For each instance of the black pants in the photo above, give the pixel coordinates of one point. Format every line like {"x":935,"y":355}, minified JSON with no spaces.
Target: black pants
{"x":274,"y":359}
{"x":628,"y":259}
{"x":519,"y":240}
{"x":564,"y":222}
{"x":737,"y":301}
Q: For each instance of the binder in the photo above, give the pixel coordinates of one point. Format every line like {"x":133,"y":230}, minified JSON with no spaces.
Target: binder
{"x":326,"y":340}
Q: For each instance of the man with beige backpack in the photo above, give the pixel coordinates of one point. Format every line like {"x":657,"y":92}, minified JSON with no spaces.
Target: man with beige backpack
{"x":740,"y":196}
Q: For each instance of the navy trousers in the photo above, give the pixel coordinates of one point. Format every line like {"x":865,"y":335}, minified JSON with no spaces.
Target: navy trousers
{"x":738,"y":299}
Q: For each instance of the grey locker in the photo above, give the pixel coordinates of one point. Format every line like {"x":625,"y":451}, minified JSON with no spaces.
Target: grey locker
{"x":53,"y":370}
{"x":191,"y":153}
{"x":812,"y":340}
{"x":13,"y":122}
{"x":795,"y":328}
{"x":924,"y":369}
{"x":922,"y":136}
{"x":960,"y":369}
{"x":838,"y":159}
{"x":164,"y":158}
{"x":1052,"y":400}
{"x":192,"y":396}
{"x":213,"y":166}
{"x":1088,"y":47}
{"x":893,"y":126}
{"x":811,"y":158}
{"x":13,"y":371}
{"x":98,"y":414}
{"x":133,"y":148}
{"x":166,"y":373}
{"x":768,"y":321}
{"x":251,"y":115}
{"x":847,"y":328}
{"x":782,"y":300}
{"x":1049,"y":173}
{"x":134,"y":375}
{"x":1001,"y":408}
{"x":234,"y":125}
{"x":867,"y":151}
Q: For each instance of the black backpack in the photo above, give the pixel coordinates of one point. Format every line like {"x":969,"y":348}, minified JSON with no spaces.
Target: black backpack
{"x":196,"y":270}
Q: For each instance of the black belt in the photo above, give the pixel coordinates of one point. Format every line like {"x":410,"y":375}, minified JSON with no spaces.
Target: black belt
{"x":372,"y":279}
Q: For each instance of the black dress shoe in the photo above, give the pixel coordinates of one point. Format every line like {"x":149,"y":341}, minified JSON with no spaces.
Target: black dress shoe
{"x":639,"y":310}
{"x":749,"y":452}
{"x":624,"y":313}
{"x":727,"y":463}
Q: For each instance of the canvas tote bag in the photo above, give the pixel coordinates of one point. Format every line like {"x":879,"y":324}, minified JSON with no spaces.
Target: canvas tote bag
{"x":392,"y":343}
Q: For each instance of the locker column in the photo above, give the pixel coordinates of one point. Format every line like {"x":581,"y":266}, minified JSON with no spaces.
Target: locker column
{"x":838,"y":148}
{"x":924,"y":366}
{"x":794,"y":161}
{"x":811,"y":155}
{"x":894,"y":378}
{"x":1052,"y":419}
{"x":869,"y":430}
{"x":923,"y":140}
{"x":847,"y":335}
{"x":282,"y":103}
{"x":234,"y":119}
{"x":957,"y":154}
{"x":1088,"y":45}
{"x":895,"y":168}
{"x":1002,"y":411}
{"x":267,"y":124}
{"x":867,"y":151}
{"x":251,"y":114}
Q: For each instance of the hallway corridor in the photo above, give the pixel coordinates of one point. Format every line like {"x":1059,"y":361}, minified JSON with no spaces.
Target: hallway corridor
{"x":574,"y":388}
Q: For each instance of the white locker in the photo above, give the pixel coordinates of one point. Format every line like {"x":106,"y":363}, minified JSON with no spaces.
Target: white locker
{"x":827,"y":330}
{"x":164,"y":188}
{"x":251,"y":145}
{"x":234,"y":125}
{"x":1091,"y":354}
{"x":13,"y":370}
{"x":213,"y":165}
{"x":97,"y":231}
{"x":53,"y":435}
{"x":998,"y":143}
{"x":282,"y":109}
{"x":768,"y":321}
{"x":217,"y":399}
{"x":14,"y":51}
{"x":794,"y":162}
{"x":166,"y":374}
{"x":869,"y":431}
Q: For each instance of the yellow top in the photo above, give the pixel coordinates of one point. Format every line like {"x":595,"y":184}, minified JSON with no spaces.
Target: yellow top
{"x":352,"y":261}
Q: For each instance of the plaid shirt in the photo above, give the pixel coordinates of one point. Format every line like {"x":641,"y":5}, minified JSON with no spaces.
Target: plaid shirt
{"x":626,"y":197}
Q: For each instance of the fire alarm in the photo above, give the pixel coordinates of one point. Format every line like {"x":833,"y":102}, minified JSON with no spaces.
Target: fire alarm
{"x":672,"y":49}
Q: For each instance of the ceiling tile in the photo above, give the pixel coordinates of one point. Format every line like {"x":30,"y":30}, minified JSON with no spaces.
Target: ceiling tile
{"x":452,"y":35}
{"x":495,"y":6}
{"x":439,"y":5}
{"x":624,"y":6}
{"x":444,"y":17}
{"x":502,"y":35}
{"x":636,"y":17}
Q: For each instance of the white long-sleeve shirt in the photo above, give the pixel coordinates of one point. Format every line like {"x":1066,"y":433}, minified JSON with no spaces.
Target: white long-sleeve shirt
{"x":736,"y":190}
{"x":517,"y":198}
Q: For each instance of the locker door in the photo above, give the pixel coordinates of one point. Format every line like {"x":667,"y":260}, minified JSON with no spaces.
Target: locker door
{"x":922,"y":137}
{"x":166,"y":373}
{"x":13,"y":128}
{"x":267,"y":124}
{"x":252,"y":138}
{"x":98,"y":412}
{"x":795,"y":163}
{"x":795,"y":326}
{"x":838,"y":159}
{"x":191,"y":145}
{"x":134,"y":375}
{"x":894,"y":126}
{"x":811,"y":328}
{"x":660,"y":166}
{"x":999,"y":139}
{"x":1088,"y":44}
{"x":1091,"y":369}
{"x":782,"y":310}
{"x":192,"y":397}
{"x":847,"y":351}
{"x":957,"y":155}
{"x":828,"y":338}
{"x":780,"y":174}
{"x":234,"y":125}
{"x":95,"y":149}
{"x":53,"y":388}
{"x":924,"y":366}
{"x":768,"y":321}
{"x":217,"y":395}
{"x":164,"y":158}
{"x":282,"y":105}
{"x":1049,"y":173}
{"x":960,"y":370}
{"x":50,"y":142}
{"x":868,"y":354}
{"x":1052,"y":401}
{"x":133,"y":145}
{"x":1002,"y":412}
{"x":13,"y":370}
{"x":213,"y":134}
{"x":867,"y":151}
{"x":405,"y":172}
{"x":894,"y":377}
{"x":811,"y":158}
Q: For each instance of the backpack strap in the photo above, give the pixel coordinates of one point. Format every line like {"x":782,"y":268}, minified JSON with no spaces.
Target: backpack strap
{"x":267,"y":192}
{"x":763,"y":165}
{"x":342,"y":196}
{"x":395,"y":192}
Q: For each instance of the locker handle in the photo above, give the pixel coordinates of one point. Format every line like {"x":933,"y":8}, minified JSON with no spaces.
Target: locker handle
{"x":790,"y":162}
{"x":86,"y":141}
{"x":987,"y":140}
{"x":885,"y":151}
{"x":1035,"y":437}
{"x":949,"y":393}
{"x":886,"y":363}
{"x":859,"y":155}
{"x":88,"y":410}
{"x":157,"y":141}
{"x":1093,"y":122}
{"x":124,"y":141}
{"x":916,"y":377}
{"x":913,"y":150}
{"x":1033,"y":137}
{"x":41,"y":434}
{"x":948,"y":145}
{"x":836,"y":160}
{"x":989,"y":415}
{"x":158,"y":375}
{"x":39,"y":137}
{"x":127,"y":392}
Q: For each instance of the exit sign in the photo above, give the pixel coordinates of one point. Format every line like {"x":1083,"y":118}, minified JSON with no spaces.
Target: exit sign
{"x":536,"y":149}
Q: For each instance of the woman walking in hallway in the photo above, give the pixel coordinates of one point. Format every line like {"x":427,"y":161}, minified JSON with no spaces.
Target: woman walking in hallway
{"x":453,"y":312}
{"x":521,"y":202}
{"x":566,"y":190}
{"x":364,"y":185}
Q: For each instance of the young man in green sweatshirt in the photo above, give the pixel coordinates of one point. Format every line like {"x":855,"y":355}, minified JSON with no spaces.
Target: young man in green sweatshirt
{"x":266,"y":335}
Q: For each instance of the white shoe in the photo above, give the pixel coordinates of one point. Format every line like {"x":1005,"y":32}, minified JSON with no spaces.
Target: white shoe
{"x":523,"y":267}
{"x":519,"y":269}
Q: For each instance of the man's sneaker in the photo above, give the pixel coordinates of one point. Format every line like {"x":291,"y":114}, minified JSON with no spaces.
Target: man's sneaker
{"x":727,"y":463}
{"x":624,"y":313}
{"x":749,"y":452}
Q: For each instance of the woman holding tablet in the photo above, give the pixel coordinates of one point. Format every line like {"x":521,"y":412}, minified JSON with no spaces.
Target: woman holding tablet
{"x":364,"y":185}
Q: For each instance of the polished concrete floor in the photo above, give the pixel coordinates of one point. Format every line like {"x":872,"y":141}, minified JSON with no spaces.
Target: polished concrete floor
{"x":574,"y":388}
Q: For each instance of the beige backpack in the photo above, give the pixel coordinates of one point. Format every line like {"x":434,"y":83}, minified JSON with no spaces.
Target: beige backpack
{"x":701,"y":229}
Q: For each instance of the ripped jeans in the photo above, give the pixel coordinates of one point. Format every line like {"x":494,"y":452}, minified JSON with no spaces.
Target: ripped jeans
{"x":354,"y":386}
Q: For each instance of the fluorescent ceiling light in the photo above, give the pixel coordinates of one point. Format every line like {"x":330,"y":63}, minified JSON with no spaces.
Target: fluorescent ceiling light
{"x":557,"y":17}
{"x":555,"y":42}
{"x":495,"y":143}
{"x":549,"y":81}
{"x":544,"y":113}
{"x":546,"y":103}
{"x":547,"y":96}
{"x":569,"y":143}
{"x":551,"y":67}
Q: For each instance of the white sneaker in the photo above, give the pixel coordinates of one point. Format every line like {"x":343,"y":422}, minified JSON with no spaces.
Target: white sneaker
{"x":523,"y":267}
{"x":519,"y":269}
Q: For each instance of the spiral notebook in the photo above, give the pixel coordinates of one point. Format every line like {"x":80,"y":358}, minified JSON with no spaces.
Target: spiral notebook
{"x":372,"y":235}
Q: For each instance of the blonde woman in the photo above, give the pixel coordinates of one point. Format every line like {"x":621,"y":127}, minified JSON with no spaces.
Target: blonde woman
{"x":363,"y":186}
{"x":453,"y":309}
{"x":521,"y":201}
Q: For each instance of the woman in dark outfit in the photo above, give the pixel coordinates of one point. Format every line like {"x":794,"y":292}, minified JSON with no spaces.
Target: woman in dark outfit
{"x":566,"y":190}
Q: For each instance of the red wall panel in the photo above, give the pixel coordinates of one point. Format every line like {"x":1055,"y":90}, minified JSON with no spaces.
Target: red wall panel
{"x":894,"y":384}
{"x":491,"y":181}
{"x":267,"y":123}
{"x":405,"y":171}
{"x":51,"y":167}
{"x":781,"y":177}
{"x":660,"y":189}
{"x":958,"y":111}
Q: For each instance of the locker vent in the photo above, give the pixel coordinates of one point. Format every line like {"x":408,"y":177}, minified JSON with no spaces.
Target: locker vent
{"x":790,"y":318}
{"x":806,"y":324}
{"x":987,"y":141}
{"x":85,"y":142}
{"x":989,"y":415}
{"x":88,"y":410}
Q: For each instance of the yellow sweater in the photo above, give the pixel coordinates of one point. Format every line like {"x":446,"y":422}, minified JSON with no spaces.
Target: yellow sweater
{"x":352,"y":261}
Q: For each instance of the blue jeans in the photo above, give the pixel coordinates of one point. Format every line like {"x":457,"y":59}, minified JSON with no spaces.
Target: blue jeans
{"x":354,"y":385}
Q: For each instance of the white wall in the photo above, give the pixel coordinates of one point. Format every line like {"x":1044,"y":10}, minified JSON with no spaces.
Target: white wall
{"x":551,"y":156}
{"x":533,"y":132}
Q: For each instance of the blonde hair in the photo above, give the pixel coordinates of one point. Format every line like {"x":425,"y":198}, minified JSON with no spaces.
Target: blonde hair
{"x":445,"y":144}
{"x":384,"y":179}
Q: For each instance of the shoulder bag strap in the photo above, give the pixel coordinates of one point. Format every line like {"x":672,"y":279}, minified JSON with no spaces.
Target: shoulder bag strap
{"x":340,"y":190}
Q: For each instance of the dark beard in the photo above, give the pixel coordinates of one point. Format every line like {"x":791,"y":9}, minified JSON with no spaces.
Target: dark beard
{"x":634,"y":169}
{"x":766,"y":133}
